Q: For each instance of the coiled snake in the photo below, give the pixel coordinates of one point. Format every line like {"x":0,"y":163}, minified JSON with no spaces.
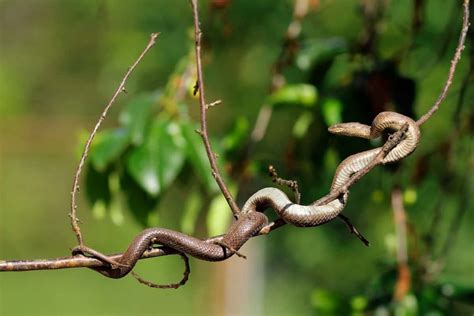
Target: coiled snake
{"x":252,"y":219}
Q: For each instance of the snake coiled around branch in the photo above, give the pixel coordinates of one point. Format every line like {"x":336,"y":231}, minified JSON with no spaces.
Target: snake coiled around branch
{"x":252,"y":219}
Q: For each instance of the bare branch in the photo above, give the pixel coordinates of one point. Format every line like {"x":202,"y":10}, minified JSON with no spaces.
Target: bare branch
{"x":187,"y":271}
{"x":81,"y":261}
{"x":452,"y":69}
{"x":202,"y":101}
{"x":85,"y":153}
{"x":292,"y":184}
{"x":352,"y":229}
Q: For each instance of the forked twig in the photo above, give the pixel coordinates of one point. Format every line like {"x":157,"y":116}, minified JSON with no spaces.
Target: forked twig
{"x":199,"y":87}
{"x":186,"y":273}
{"x":85,"y":153}
{"x":452,"y":68}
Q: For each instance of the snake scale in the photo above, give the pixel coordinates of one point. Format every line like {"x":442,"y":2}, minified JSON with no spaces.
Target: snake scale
{"x":252,"y":219}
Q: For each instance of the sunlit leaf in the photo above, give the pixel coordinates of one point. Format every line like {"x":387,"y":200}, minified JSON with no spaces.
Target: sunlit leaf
{"x":136,"y":115}
{"x":407,"y":307}
{"x":219,"y":216}
{"x":97,"y":191}
{"x":196,"y":155}
{"x":324,"y":301}
{"x":156,"y":163}
{"x":191,"y":212}
{"x":107,"y":147}
{"x":237,"y":135}
{"x":99,"y":209}
{"x":318,"y":50}
{"x":359,"y":303}
{"x":141,"y":204}
{"x":409,"y":196}
{"x":115,"y":207}
{"x":302,"y":124}
{"x":301,"y":94}
{"x":332,"y":111}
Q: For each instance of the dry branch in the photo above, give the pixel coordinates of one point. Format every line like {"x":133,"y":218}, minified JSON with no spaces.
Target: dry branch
{"x":204,"y":107}
{"x":85,"y":153}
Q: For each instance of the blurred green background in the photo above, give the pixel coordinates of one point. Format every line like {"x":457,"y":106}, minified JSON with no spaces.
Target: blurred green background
{"x":60,"y":62}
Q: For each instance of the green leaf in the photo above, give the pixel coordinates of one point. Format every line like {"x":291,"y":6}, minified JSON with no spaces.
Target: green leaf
{"x":141,"y":204}
{"x":191,"y":212}
{"x":332,"y":111}
{"x":237,"y":135}
{"x":359,"y":303}
{"x":97,"y":191}
{"x":219,"y":216}
{"x":302,"y":124}
{"x":136,"y":116}
{"x":410,"y":196}
{"x":107,"y":147}
{"x":325,"y":301}
{"x":319,"y":50}
{"x":407,"y":307}
{"x":196,"y":154}
{"x":99,"y":210}
{"x":296,"y":94}
{"x":115,"y":208}
{"x":156,"y":163}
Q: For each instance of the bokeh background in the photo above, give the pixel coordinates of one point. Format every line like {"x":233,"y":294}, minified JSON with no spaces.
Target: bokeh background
{"x":60,"y":62}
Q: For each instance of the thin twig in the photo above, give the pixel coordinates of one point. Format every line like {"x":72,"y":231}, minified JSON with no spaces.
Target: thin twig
{"x":452,"y":68}
{"x":353,"y":230}
{"x":230,"y":249}
{"x":202,"y":101}
{"x":85,"y":153}
{"x":186,"y":273}
{"x":292,"y":184}
{"x":212,"y":104}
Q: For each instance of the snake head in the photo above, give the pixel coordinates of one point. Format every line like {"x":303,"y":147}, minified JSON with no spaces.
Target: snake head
{"x":336,"y":128}
{"x":353,"y":129}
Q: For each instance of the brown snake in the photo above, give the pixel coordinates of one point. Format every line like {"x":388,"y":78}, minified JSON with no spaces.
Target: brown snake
{"x":253,"y":220}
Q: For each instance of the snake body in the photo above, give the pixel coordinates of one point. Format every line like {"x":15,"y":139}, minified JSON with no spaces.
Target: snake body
{"x":313,"y":215}
{"x":239,"y":232}
{"x":252,"y":219}
{"x":384,"y":121}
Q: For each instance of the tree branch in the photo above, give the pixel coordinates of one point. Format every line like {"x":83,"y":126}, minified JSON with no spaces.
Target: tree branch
{"x":81,"y":261}
{"x":85,"y":153}
{"x":452,"y":68}
{"x":202,"y":102}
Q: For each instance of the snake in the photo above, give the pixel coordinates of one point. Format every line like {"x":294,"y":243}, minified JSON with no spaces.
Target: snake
{"x":252,"y":219}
